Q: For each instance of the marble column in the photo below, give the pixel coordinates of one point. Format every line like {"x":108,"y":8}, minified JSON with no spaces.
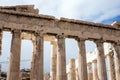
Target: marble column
{"x":53,"y":60}
{"x":82,"y":64}
{"x":32,"y":62}
{"x":0,"y":42}
{"x":117,"y":60}
{"x":101,"y":66}
{"x":38,"y":69}
{"x":90,"y":73}
{"x":61,"y":59}
{"x":77,"y":74}
{"x":0,"y":70}
{"x":0,"y":48}
{"x":20,"y":76}
{"x":72,"y":73}
{"x":14,"y":64}
{"x":95,"y":73}
{"x":111,"y":66}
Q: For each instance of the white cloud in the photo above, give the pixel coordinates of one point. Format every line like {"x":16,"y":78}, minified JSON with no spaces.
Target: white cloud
{"x":90,"y":10}
{"x":108,"y":15}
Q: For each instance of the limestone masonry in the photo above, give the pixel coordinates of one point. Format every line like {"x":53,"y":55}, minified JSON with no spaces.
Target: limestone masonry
{"x":25,"y":22}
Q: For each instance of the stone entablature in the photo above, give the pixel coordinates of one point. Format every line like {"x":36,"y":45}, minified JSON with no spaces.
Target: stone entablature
{"x":116,"y":24}
{"x":27,"y":22}
{"x":21,"y":8}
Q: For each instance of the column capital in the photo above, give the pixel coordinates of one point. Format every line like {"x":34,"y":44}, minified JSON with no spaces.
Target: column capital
{"x":88,"y":64}
{"x":94,"y":61}
{"x":60,"y":36}
{"x":80,"y":39}
{"x":72,"y":60}
{"x":16,"y":31}
{"x":116,"y":43}
{"x":99,"y":44}
{"x":39,"y":34}
{"x":53,"y":43}
{"x":98,"y":41}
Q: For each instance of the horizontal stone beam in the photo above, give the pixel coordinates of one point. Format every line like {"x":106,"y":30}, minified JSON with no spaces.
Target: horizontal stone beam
{"x":28,"y":36}
{"x":10,"y":20}
{"x":21,"y":8}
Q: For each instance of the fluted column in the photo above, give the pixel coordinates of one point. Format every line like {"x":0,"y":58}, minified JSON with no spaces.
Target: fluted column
{"x":38,"y":69}
{"x":0,"y":48}
{"x":33,"y":58}
{"x":61,"y":59}
{"x":82,"y":64}
{"x":95,"y":73}
{"x":53,"y":61}
{"x":90,"y":73}
{"x":20,"y":76}
{"x":0,"y":70}
{"x":77,"y":74}
{"x":102,"y":74}
{"x":111,"y":66}
{"x":14,"y":64}
{"x":72,"y":73}
{"x":117,"y":59}
{"x":0,"y":42}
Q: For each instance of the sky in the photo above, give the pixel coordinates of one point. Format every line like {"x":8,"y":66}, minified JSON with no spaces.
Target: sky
{"x":98,"y":11}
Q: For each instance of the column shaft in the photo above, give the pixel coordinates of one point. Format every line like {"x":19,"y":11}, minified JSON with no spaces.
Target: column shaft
{"x":32,"y":62}
{"x":0,"y":70}
{"x":38,"y":68}
{"x":117,"y":60}
{"x":77,"y":74}
{"x":90,"y":73}
{"x":95,"y":73}
{"x":72,"y":70}
{"x":82,"y":64}
{"x":53,"y":61}
{"x":102,"y":75}
{"x":0,"y":42}
{"x":0,"y":48}
{"x":61,"y":59}
{"x":111,"y":66}
{"x":14,"y":64}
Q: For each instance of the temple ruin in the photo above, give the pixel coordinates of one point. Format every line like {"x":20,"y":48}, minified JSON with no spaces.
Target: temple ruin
{"x":25,"y":22}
